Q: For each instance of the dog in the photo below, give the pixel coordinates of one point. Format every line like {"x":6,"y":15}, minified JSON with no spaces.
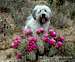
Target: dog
{"x":40,"y":17}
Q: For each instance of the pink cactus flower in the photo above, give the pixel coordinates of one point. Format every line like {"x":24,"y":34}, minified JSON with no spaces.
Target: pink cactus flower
{"x":45,"y":39}
{"x":46,"y":35}
{"x":27,"y":31}
{"x":39,"y":30}
{"x":14,"y":45}
{"x":28,"y":46}
{"x":29,"y":49}
{"x":31,"y":43}
{"x":16,"y":41}
{"x":17,"y":38}
{"x":32,"y":39}
{"x":18,"y":55}
{"x":52,"y":41}
{"x":59,"y":44}
{"x":61,"y":38}
{"x":56,"y":46}
{"x":53,"y":34}
{"x":50,"y":30}
{"x":33,"y":46}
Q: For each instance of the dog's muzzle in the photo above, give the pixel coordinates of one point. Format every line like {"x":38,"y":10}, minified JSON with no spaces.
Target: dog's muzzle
{"x":43,"y":19}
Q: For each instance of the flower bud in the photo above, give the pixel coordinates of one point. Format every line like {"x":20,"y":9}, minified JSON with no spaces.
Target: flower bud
{"x":52,"y":41}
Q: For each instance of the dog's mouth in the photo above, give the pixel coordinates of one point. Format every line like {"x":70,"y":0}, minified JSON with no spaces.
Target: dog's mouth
{"x":43,"y":20}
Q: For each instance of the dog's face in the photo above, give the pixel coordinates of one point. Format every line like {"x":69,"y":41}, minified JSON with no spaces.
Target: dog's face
{"x":42,"y":14}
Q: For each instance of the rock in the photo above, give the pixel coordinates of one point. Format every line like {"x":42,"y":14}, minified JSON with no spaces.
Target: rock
{"x":4,"y":43}
{"x":7,"y":55}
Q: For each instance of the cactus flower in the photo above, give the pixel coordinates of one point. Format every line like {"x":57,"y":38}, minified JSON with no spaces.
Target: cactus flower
{"x":59,"y":44}
{"x":33,"y":46}
{"x":52,"y":41}
{"x":46,"y":35}
{"x":29,"y":49}
{"x":27,"y":31}
{"x":53,"y":34}
{"x":61,"y":38}
{"x":32,"y":39}
{"x":39,"y":30}
{"x":31,"y":43}
{"x":16,"y":41}
{"x":50,"y":30}
{"x":14,"y":45}
{"x":18,"y":55}
{"x":45,"y":39}
{"x":17,"y":38}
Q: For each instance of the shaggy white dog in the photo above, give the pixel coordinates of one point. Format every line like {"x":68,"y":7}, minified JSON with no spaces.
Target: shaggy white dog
{"x":41,"y":15}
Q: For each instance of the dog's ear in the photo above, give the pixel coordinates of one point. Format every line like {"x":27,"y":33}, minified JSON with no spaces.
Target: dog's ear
{"x":33,"y":13}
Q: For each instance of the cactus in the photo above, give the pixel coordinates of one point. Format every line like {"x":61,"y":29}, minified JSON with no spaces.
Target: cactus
{"x":33,"y":46}
{"x":40,"y":46}
{"x":31,"y":56}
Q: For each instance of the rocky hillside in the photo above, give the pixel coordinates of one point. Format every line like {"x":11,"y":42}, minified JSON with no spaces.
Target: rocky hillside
{"x":13,"y":15}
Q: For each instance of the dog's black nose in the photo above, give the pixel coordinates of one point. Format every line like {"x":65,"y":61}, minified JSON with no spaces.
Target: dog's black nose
{"x":43,"y":15}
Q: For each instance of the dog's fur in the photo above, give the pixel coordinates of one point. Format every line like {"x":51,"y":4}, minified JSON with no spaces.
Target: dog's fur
{"x":40,"y":17}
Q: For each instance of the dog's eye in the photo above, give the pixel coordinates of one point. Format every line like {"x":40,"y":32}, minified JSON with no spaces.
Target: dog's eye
{"x":40,"y":11}
{"x":45,"y":10}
